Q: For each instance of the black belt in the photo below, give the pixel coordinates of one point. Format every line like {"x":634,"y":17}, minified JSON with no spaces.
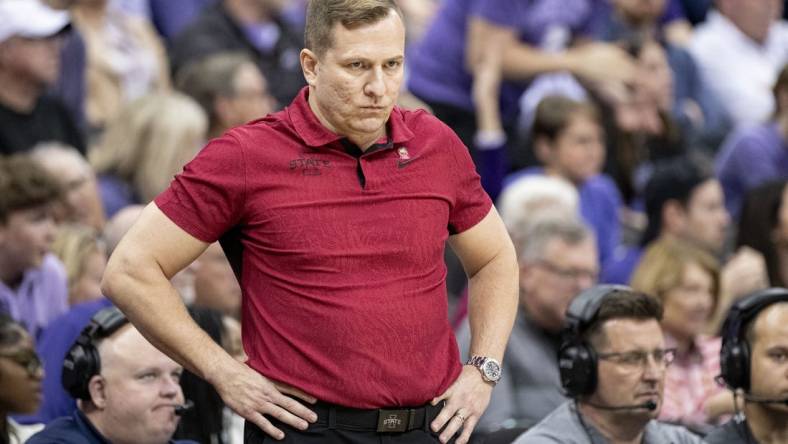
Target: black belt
{"x":393,"y":420}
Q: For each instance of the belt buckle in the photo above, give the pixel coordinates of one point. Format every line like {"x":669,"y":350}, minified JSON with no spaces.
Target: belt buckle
{"x":393,"y":421}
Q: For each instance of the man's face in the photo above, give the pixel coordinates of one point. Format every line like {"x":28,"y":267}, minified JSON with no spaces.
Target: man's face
{"x":706,"y":217}
{"x":215,"y":285}
{"x":549,"y":285}
{"x":37,"y":60}
{"x":640,"y":12}
{"x":140,"y":392}
{"x":622,"y":383}
{"x":578,"y":151}
{"x":20,"y":377}
{"x":354,"y":85}
{"x":251,"y":99}
{"x":27,"y":237}
{"x":688,"y":306}
{"x":769,"y":351}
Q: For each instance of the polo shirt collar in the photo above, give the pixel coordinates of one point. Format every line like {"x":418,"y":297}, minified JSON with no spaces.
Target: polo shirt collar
{"x":314,"y":134}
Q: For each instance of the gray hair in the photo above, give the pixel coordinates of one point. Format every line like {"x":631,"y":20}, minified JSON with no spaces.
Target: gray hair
{"x":527,"y":197}
{"x":534,"y":236}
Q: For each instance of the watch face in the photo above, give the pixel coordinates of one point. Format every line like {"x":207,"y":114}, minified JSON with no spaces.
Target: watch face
{"x":492,"y":370}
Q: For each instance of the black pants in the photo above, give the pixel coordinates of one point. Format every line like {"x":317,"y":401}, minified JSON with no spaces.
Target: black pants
{"x":321,"y":434}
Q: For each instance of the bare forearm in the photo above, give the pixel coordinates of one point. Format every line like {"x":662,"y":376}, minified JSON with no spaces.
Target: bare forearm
{"x":493,"y":305}
{"x":522,"y":62}
{"x":154,"y":307}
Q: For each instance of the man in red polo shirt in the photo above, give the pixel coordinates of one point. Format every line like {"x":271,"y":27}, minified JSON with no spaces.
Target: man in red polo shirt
{"x":334,"y":213}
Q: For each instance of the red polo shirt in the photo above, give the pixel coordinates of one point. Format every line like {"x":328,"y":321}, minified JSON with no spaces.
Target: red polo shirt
{"x":339,"y":254}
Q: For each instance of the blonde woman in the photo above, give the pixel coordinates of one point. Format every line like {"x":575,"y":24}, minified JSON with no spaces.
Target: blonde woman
{"x":84,"y":255}
{"x":686,"y":279}
{"x":145,"y":146}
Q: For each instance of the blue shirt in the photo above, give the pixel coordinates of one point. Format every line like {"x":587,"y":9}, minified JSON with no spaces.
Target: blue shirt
{"x":75,"y":429}
{"x":39,"y":298}
{"x":437,"y":70}
{"x":750,"y":157}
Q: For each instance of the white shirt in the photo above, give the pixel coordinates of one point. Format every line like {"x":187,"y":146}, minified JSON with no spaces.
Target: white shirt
{"x":740,"y":70}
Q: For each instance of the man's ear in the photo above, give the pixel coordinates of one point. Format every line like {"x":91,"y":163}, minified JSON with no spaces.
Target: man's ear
{"x":222,"y":109}
{"x":97,"y":387}
{"x":673,"y":216}
{"x":309,"y":65}
{"x":543,"y":150}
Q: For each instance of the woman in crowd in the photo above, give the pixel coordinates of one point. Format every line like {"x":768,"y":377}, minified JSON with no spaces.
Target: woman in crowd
{"x":20,"y":380}
{"x":686,"y":279}
{"x":145,"y":146}
{"x":85,"y":256}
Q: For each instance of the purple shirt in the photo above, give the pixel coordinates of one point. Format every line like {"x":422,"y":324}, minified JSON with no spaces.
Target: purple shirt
{"x":750,"y":157}
{"x":40,"y":297}
{"x":437,"y":66}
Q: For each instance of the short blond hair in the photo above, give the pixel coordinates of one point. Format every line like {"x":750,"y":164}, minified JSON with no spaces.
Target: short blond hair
{"x":73,"y":246}
{"x":322,"y":15}
{"x":663,"y":264}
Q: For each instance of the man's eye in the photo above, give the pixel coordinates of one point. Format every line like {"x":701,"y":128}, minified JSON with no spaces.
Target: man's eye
{"x":355,"y":65}
{"x":394,"y":64}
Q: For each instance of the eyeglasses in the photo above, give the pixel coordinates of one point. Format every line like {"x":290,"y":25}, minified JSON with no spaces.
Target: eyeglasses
{"x":639,"y":358}
{"x":568,"y":273}
{"x":27,"y":358}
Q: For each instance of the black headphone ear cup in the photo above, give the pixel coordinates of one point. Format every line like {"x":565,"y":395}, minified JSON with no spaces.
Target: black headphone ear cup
{"x":577,"y":366}
{"x":80,"y":364}
{"x":735,"y":364}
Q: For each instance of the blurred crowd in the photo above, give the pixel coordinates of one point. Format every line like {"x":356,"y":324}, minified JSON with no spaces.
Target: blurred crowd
{"x":641,"y":142}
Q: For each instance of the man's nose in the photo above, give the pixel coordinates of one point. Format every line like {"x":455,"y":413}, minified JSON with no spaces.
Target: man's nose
{"x":376,"y":84}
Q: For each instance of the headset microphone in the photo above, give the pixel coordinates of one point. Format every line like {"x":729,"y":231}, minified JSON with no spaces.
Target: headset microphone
{"x":760,"y":400}
{"x":183,"y":408}
{"x":648,"y":405}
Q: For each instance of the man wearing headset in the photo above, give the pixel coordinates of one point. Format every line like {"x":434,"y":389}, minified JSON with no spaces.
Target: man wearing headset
{"x":127,"y":390}
{"x":754,"y":361}
{"x":612,"y":362}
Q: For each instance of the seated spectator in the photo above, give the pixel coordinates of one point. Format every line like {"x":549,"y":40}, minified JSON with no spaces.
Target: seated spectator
{"x":682,"y":200}
{"x":33,"y":288}
{"x":85,"y":256}
{"x":640,"y":125}
{"x":129,"y":390}
{"x":757,"y":154}
{"x":763,"y":226}
{"x":57,"y":338}
{"x":30,"y":39}
{"x":740,"y":48}
{"x":81,"y":202}
{"x":230,"y":89}
{"x":125,"y":59}
{"x":478,"y":57}
{"x":693,"y":106}
{"x":20,"y":380}
{"x":612,"y":361}
{"x":528,"y":196}
{"x":753,"y":357}
{"x":258,"y":27}
{"x":686,"y":280}
{"x":568,"y":140}
{"x":144,"y":146}
{"x":557,"y":257}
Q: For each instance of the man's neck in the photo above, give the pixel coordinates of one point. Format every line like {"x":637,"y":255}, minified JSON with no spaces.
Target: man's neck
{"x":616,"y":427}
{"x":362,"y":141}
{"x":768,"y":425}
{"x":18,"y":94}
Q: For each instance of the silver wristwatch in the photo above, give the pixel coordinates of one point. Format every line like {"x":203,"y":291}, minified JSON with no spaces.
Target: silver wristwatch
{"x":489,"y":367}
